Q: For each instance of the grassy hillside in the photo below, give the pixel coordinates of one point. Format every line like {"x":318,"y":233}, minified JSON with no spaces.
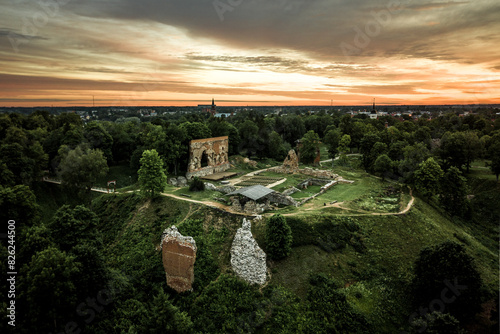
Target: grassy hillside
{"x":371,"y":258}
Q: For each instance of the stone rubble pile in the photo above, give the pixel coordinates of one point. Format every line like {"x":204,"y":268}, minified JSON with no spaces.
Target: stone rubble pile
{"x":248,"y":260}
{"x":180,"y":181}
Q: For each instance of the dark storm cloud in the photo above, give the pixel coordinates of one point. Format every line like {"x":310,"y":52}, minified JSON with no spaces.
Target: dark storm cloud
{"x":316,"y":27}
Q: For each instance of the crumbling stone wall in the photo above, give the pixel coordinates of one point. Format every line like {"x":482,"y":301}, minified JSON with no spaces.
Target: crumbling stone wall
{"x":178,"y":255}
{"x":290,"y":165}
{"x":279,"y":198}
{"x":216,"y":152}
{"x":319,"y":173}
{"x":248,"y":260}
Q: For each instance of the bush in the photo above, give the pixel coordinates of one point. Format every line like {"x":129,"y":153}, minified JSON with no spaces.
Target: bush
{"x":278,"y":238}
{"x":329,"y":311}
{"x":197,"y":185}
{"x":447,"y":270}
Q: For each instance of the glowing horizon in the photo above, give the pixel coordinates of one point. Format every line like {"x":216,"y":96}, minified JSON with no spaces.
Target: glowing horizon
{"x":279,"y":53}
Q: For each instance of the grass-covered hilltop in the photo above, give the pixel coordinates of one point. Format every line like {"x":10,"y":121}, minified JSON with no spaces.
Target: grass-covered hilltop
{"x":406,"y":243}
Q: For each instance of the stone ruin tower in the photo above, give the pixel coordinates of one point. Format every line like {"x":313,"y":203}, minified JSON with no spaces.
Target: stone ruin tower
{"x":178,"y":255}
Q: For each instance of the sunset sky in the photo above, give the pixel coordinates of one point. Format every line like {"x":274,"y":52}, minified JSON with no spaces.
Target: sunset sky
{"x":248,"y":52}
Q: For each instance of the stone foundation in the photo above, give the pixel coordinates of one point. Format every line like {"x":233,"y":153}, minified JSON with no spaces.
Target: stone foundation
{"x":319,"y":173}
{"x":208,"y":171}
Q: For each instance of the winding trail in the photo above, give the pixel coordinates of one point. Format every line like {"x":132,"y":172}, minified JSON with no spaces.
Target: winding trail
{"x":226,"y":208}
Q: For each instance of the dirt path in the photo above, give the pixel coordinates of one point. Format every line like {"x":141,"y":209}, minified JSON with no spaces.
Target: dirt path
{"x":365,"y":213}
{"x":216,"y":205}
{"x":211,"y":204}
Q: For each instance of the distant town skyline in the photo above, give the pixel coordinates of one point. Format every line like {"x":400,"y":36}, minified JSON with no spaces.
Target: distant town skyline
{"x":248,"y":52}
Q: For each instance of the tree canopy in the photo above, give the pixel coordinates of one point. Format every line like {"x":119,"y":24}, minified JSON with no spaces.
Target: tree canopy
{"x":427,"y":178}
{"x":82,"y":167}
{"x":278,"y":237}
{"x":152,"y":176}
{"x":457,"y":280}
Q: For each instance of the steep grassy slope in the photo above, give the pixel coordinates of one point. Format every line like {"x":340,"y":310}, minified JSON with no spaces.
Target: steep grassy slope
{"x":370,"y":257}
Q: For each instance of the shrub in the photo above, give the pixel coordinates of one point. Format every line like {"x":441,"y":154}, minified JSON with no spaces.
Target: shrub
{"x":197,"y":185}
{"x":278,"y":237}
{"x":447,"y":270}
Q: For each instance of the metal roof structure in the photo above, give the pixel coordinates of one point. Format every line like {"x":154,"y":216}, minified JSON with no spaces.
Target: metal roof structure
{"x":253,"y":192}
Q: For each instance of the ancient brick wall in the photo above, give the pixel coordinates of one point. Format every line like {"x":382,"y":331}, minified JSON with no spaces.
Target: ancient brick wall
{"x":213,"y":151}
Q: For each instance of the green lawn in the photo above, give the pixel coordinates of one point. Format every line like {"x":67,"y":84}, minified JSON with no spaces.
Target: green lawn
{"x":311,"y":190}
{"x":376,"y":279}
{"x":482,"y":173}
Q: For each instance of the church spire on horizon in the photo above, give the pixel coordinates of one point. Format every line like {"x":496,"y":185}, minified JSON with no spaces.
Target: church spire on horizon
{"x":213,"y":111}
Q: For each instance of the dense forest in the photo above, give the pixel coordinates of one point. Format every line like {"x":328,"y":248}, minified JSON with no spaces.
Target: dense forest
{"x":89,"y":263}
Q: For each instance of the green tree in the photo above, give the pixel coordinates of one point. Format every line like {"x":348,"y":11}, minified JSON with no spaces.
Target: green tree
{"x":427,"y":178}
{"x":331,"y":140}
{"x":436,"y":323}
{"x":494,"y":155}
{"x":99,"y":138}
{"x":276,"y":148}
{"x":175,"y":137}
{"x":168,"y":318}
{"x":69,"y":225}
{"x":414,"y":155}
{"x":94,"y":273}
{"x":365,"y":148}
{"x":383,"y":166}
{"x":197,"y":185}
{"x":328,"y":310}
{"x":460,"y":148}
{"x":224,"y":306}
{"x":249,"y":134}
{"x":124,"y":135}
{"x":82,"y":167}
{"x":151,"y":174}
{"x":278,"y":237}
{"x":344,"y":144}
{"x":24,"y":158}
{"x":309,"y":148}
{"x":447,"y":270}
{"x":220,"y":127}
{"x":377,"y":149}
{"x":18,"y":203}
{"x":48,"y":288}
{"x":196,"y":130}
{"x":472,"y":148}
{"x":359,"y":129}
{"x":293,"y":129}
{"x":343,"y":148}
{"x":454,"y":192}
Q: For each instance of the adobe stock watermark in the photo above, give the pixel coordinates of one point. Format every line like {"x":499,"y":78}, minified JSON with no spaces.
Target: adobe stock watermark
{"x":373,"y":27}
{"x":151,"y":83}
{"x":223,"y":6}
{"x":30,"y":25}
{"x":448,"y":295}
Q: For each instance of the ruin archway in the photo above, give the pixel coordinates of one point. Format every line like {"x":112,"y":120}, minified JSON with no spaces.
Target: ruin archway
{"x":204,"y":160}
{"x":207,"y":156}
